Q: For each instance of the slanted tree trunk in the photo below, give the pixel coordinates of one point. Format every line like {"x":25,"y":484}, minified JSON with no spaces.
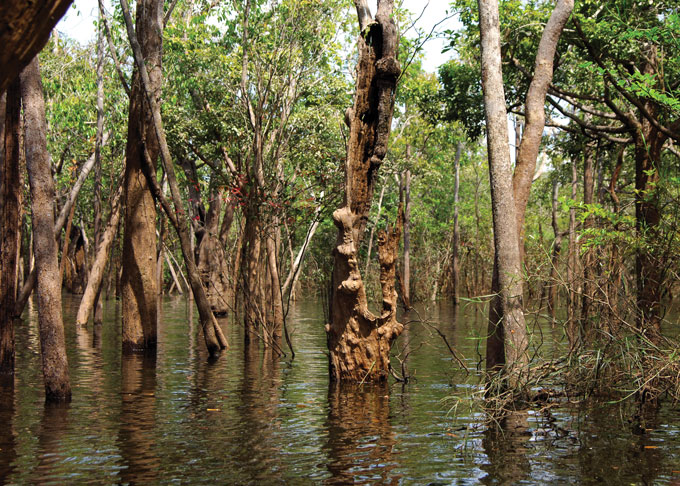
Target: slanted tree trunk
{"x":52,"y":344}
{"x":11,"y":188}
{"x":138,"y":285}
{"x":94,"y":281}
{"x":358,"y":341}
{"x":24,"y":30}
{"x":456,"y":227}
{"x":507,"y":342}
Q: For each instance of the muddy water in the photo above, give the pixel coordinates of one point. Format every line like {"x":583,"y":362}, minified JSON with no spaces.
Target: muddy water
{"x":251,"y":418}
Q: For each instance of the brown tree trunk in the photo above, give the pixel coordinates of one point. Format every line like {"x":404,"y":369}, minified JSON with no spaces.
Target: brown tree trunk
{"x":407,"y":234}
{"x":572,"y":266}
{"x":358,"y":341}
{"x":456,"y":227}
{"x":212,"y":333}
{"x":589,"y":256}
{"x":139,"y":240}
{"x":97,"y":204}
{"x":535,"y":110}
{"x":508,"y":342}
{"x":93,"y":289}
{"x":24,"y":30}
{"x":52,"y":345}
{"x":11,"y":189}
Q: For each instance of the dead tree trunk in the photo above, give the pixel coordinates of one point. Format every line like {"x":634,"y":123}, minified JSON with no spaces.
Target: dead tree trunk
{"x":50,"y":323}
{"x":358,"y":341}
{"x":139,"y":241}
{"x":507,"y":342}
{"x":10,"y":220}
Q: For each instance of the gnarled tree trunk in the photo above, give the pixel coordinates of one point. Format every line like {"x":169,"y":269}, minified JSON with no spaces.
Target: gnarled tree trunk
{"x":358,"y":341}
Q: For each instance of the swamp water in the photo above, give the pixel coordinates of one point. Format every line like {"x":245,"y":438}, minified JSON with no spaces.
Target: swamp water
{"x":252,"y":419}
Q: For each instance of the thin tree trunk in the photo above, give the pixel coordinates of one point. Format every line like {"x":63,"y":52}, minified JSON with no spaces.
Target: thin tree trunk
{"x":589,"y":256}
{"x":456,"y":227}
{"x":407,"y":234}
{"x":93,"y":289}
{"x":557,"y":248}
{"x":572,"y":291}
{"x":507,"y":342}
{"x":97,"y":206}
{"x":52,"y":344}
{"x":358,"y":341}
{"x":11,"y":195}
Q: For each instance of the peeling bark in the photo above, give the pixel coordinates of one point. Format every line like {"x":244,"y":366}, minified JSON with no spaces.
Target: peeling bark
{"x":358,"y":341}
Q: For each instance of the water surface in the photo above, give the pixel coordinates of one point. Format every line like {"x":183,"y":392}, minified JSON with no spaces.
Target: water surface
{"x":255,"y":418}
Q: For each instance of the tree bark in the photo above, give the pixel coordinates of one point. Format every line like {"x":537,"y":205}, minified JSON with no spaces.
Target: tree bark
{"x":97,"y":205}
{"x":358,"y":341}
{"x":508,"y":342}
{"x":11,"y":195}
{"x":535,"y":110}
{"x":24,"y":30}
{"x":52,"y":344}
{"x":93,"y":289}
{"x":572,"y":266}
{"x":138,"y":284}
{"x":212,"y":333}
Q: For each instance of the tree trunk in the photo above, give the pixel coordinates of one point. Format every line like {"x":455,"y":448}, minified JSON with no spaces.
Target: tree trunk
{"x":52,"y":345}
{"x":535,"y":111}
{"x":456,"y":227}
{"x":11,"y":192}
{"x":508,"y":342}
{"x":553,"y":286}
{"x":358,"y":341}
{"x":93,"y":289}
{"x":589,"y":256}
{"x":97,"y":206}
{"x":407,"y":234}
{"x":139,"y":240}
{"x":572,"y":266}
{"x":212,"y":333}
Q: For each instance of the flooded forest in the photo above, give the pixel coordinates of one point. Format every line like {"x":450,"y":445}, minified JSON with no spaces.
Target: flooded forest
{"x":273,"y":242}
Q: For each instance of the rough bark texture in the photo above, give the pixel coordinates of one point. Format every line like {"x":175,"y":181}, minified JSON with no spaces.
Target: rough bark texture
{"x":10,"y":220}
{"x":138,"y":284}
{"x":212,"y":332}
{"x":358,"y":341}
{"x":24,"y":29}
{"x":535,"y":110}
{"x":510,"y":323}
{"x":52,"y":346}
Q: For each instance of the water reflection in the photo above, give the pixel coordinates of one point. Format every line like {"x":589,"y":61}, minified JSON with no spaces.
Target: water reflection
{"x":52,"y":451}
{"x":8,"y":452}
{"x":505,"y":445}
{"x":360,"y":437}
{"x":136,"y":439}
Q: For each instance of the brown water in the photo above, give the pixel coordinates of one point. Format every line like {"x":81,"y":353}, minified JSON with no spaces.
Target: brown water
{"x":252,"y":419}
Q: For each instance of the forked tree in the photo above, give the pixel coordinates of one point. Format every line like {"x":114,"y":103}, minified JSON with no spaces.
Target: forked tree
{"x":358,"y":341}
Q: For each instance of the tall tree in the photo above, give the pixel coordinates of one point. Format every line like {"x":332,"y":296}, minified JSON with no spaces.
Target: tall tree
{"x":358,"y":341}
{"x":507,"y":342}
{"x":138,"y":284}
{"x":50,"y":323}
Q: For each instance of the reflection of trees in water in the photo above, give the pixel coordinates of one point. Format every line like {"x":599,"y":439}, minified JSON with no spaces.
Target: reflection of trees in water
{"x":360,"y":437}
{"x":505,"y":446}
{"x":137,"y":420}
{"x":8,"y":440}
{"x":51,"y":450}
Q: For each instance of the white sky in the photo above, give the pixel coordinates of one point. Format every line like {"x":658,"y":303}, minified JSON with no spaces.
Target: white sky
{"x":78,"y":23}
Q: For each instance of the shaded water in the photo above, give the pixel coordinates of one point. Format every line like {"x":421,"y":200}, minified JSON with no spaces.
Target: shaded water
{"x":253,"y":419}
